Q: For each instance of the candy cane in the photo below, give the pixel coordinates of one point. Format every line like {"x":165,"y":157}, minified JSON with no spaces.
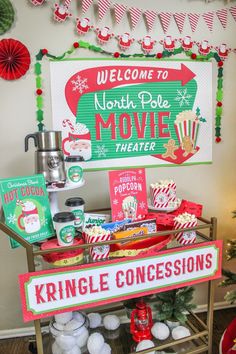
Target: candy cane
{"x":19,"y":202}
{"x":68,"y":122}
{"x":67,"y":3}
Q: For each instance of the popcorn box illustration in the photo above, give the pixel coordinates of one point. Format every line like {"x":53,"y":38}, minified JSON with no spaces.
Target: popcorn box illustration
{"x":129,"y":207}
{"x":184,"y":221}
{"x":187,"y":130}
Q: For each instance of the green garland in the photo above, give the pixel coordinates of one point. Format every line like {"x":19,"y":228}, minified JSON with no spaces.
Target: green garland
{"x":161,"y":55}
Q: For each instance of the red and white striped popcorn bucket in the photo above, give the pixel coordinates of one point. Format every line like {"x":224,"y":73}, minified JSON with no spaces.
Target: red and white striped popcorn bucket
{"x":187,"y":128}
{"x":98,"y":252}
{"x":160,"y":196}
{"x":172,"y":191}
{"x":185,"y":237}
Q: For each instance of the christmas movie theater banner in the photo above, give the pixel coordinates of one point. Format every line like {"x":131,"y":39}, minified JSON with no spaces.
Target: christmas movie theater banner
{"x":54,"y":291}
{"x":123,"y":113}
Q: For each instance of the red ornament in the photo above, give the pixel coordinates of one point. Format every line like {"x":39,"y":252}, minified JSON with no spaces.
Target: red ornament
{"x":193,"y":56}
{"x":14,"y":59}
{"x":76,"y":45}
{"x":44,"y":51}
{"x":159,"y":55}
{"x":39,"y":92}
{"x":116,"y":55}
{"x":220,"y":63}
{"x":141,"y":322}
{"x":218,"y":139}
{"x":219,"y":104}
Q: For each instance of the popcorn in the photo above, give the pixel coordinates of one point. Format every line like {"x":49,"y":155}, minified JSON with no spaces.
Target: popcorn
{"x":187,"y":125}
{"x":185,"y":217}
{"x":186,"y":115}
{"x":98,"y":234}
{"x":162,"y":183}
{"x":184,"y":221}
{"x":96,"y":231}
{"x":111,"y":322}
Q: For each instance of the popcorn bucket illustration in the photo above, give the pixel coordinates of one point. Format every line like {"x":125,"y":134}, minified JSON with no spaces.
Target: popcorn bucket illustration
{"x":129,"y":207}
{"x":78,"y":144}
{"x":187,"y":125}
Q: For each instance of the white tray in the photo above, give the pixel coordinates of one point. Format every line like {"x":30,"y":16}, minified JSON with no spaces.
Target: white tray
{"x":167,"y":209}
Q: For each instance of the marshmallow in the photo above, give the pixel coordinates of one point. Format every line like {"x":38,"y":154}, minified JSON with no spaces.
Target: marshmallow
{"x":95,"y":320}
{"x":106,"y":349}
{"x":65,"y":342}
{"x":82,"y":337}
{"x":111,"y":322}
{"x":63,"y":318}
{"x":160,"y":331}
{"x":95,"y":343}
{"x":145,"y":344}
{"x":180,"y":332}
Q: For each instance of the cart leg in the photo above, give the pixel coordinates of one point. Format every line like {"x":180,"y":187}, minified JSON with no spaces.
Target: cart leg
{"x":39,"y":339}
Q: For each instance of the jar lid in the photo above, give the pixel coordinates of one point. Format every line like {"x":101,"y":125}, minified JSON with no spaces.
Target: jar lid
{"x":75,"y":201}
{"x":75,"y":158}
{"x":64,"y":216}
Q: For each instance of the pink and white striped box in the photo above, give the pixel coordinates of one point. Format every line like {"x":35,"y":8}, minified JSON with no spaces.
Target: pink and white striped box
{"x":98,"y":252}
{"x":160,"y":196}
{"x":172,"y":191}
{"x":185,"y":237}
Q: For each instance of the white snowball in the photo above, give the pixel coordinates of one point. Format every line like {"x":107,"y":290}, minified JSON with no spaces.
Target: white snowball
{"x":66,"y":342}
{"x":95,"y":320}
{"x":78,"y":316}
{"x":72,"y":325}
{"x":95,"y":343}
{"x":63,"y":318}
{"x":160,"y":331}
{"x":106,"y":349}
{"x":56,"y":349}
{"x":145,"y":344}
{"x":75,"y":350}
{"x":82,"y":338}
{"x":180,"y":332}
{"x":111,"y":322}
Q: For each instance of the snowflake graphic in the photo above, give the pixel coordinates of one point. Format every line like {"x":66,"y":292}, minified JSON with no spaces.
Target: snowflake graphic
{"x":115,"y":201}
{"x":120,"y":215}
{"x":142,"y":205}
{"x":183,"y":97}
{"x":101,"y":150}
{"x":80,"y":84}
{"x":11,"y":219}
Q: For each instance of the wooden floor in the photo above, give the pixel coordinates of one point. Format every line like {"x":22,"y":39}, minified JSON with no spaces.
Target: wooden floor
{"x":221,"y":319}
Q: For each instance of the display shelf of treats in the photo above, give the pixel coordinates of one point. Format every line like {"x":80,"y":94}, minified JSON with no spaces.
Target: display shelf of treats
{"x":199,"y":341}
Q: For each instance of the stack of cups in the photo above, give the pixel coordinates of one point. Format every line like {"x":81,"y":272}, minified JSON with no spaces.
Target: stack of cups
{"x":184,"y":221}
{"x":98,"y":234}
{"x":76,"y":206}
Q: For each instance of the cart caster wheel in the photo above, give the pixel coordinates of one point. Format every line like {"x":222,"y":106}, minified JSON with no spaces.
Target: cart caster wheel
{"x":33,"y":348}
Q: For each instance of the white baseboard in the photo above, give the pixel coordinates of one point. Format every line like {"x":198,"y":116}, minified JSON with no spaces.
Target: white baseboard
{"x":30,"y":331}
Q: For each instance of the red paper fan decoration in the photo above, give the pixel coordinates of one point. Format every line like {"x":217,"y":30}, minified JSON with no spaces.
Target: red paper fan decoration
{"x":14,"y":59}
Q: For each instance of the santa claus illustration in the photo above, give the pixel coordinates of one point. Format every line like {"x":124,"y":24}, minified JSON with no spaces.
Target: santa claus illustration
{"x":147,"y":44}
{"x":125,"y":41}
{"x":168,"y":43}
{"x":83,"y":25}
{"x":61,"y":13}
{"x":223,"y":51}
{"x":204,"y":47}
{"x":187,"y":43}
{"x":104,"y":35}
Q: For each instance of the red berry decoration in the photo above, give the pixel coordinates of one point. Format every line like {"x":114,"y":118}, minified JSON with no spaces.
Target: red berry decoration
{"x":219,"y":104}
{"x":39,"y":92}
{"x":116,"y":55}
{"x":76,"y":45}
{"x":159,"y":55}
{"x":193,"y":56}
{"x":218,"y":139}
{"x":44,"y":51}
{"x":220,"y":63}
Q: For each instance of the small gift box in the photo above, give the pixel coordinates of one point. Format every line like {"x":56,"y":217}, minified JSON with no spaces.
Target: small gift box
{"x":184,"y":221}
{"x":98,"y":234}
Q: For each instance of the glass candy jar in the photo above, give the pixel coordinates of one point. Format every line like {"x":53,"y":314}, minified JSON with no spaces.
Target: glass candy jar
{"x":69,"y":337}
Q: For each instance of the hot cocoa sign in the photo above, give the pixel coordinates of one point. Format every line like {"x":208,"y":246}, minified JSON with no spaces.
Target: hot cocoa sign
{"x":114,"y":112}
{"x":49,"y":292}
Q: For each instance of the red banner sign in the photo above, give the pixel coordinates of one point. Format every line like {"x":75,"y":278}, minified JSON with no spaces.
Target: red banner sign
{"x":50,"y":292}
